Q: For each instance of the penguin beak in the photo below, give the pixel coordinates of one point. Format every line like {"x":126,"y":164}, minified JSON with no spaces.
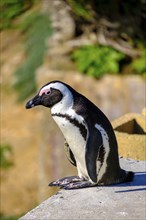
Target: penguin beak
{"x":33,"y":102}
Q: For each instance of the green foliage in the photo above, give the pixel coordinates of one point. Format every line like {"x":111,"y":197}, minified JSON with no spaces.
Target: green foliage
{"x":119,"y":19}
{"x":139,"y":64}
{"x":37,"y":28}
{"x":97,"y":60}
{"x":5,"y":156}
{"x":80,"y":8}
{"x":9,"y":9}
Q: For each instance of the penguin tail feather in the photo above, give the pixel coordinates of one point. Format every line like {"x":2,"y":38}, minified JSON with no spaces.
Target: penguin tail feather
{"x":129,"y":177}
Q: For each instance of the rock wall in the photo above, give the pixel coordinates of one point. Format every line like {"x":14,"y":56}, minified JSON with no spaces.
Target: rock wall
{"x":130,"y":130}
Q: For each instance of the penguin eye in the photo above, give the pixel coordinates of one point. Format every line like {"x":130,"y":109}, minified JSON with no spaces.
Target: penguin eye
{"x":47,"y":92}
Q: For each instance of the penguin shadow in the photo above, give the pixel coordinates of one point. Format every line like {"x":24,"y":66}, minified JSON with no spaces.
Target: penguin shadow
{"x":139,"y":181}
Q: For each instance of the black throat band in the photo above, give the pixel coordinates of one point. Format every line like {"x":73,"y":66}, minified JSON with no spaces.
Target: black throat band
{"x":74,"y":121}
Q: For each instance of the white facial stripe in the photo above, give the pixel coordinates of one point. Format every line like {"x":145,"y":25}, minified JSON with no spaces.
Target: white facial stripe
{"x":57,"y":85}
{"x":66,"y":104}
{"x":106,"y":147}
{"x":67,"y":101}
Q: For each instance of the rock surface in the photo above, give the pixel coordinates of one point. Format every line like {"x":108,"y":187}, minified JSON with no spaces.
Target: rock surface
{"x":130,"y":130}
{"x":123,"y":201}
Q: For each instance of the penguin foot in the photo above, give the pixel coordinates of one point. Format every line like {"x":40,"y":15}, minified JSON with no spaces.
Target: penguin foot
{"x":65,"y":181}
{"x":78,"y":185}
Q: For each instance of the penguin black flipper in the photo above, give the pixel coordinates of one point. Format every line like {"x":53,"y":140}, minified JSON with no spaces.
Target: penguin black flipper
{"x":69,"y":154}
{"x":93,"y":145}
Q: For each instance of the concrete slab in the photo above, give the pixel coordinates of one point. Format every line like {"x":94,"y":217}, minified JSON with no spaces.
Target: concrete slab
{"x":123,"y":201}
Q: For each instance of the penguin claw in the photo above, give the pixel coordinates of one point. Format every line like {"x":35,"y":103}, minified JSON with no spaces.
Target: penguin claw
{"x":54,"y":183}
{"x":78,"y":185}
{"x":65,"y":181}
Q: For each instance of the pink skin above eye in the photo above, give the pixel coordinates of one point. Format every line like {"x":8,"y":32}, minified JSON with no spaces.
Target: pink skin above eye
{"x":44,"y":91}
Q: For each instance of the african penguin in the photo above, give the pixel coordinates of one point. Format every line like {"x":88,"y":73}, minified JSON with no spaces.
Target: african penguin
{"x":90,"y":141}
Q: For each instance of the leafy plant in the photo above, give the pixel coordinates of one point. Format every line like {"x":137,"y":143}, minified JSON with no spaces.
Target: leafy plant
{"x":9,"y":9}
{"x":37,"y":29}
{"x":139,"y":65}
{"x":5,"y":156}
{"x":80,"y":8}
{"x":97,"y":60}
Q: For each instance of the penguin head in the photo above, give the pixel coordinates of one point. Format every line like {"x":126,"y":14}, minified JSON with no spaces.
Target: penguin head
{"x":51,"y":94}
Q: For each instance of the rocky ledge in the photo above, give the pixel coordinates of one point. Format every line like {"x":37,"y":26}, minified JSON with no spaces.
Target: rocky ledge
{"x":123,"y":201}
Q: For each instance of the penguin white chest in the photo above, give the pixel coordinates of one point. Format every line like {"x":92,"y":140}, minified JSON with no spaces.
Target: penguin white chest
{"x":75,"y":140}
{"x":72,"y":135}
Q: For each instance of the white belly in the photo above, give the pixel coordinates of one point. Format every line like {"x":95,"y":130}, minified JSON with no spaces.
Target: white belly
{"x":76,"y":143}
